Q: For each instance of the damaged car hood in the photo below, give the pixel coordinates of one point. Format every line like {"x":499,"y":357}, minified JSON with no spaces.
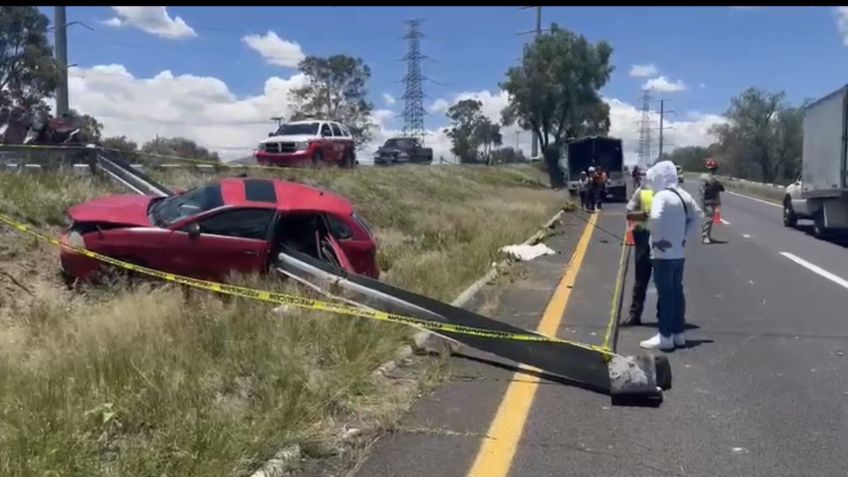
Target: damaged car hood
{"x":123,"y":209}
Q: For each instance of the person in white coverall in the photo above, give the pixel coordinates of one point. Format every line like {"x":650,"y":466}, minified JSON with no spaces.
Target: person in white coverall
{"x":675,"y":216}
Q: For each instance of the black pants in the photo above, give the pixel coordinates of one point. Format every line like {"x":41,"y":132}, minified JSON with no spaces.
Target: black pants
{"x":641,"y":272}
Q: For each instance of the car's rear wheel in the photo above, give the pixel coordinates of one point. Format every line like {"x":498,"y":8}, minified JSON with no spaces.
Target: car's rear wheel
{"x":317,"y":159}
{"x":789,"y":217}
{"x":349,"y":160}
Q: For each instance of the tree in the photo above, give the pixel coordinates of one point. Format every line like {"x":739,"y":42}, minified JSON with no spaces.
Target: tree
{"x":28,"y":71}
{"x":120,"y":143}
{"x":555,"y":91}
{"x":466,"y":115}
{"x":180,"y":147}
{"x":763,"y":137}
{"x":487,"y":134}
{"x":471,"y":131}
{"x":691,"y":158}
{"x":335,"y":90}
{"x":508,"y":155}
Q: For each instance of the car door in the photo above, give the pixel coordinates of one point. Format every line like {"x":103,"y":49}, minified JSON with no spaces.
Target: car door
{"x":328,"y":145}
{"x":359,"y":253}
{"x":211,"y":247}
{"x":339,"y":140}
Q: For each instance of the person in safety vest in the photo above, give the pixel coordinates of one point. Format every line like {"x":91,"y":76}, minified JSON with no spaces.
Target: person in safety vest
{"x":711,"y":190}
{"x":638,"y":212}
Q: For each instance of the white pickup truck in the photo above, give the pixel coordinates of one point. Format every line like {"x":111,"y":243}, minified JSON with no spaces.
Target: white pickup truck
{"x":821,"y":191}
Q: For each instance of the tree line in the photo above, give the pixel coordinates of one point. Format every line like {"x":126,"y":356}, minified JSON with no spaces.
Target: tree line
{"x":761,"y":141}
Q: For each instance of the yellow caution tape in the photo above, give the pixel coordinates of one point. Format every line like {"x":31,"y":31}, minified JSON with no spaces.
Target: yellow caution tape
{"x":300,"y":302}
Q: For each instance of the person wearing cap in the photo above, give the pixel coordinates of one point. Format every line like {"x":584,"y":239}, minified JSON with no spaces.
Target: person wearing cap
{"x":638,"y":212}
{"x":592,"y":192}
{"x":673,"y":218}
{"x":583,"y":189}
{"x":711,"y":190}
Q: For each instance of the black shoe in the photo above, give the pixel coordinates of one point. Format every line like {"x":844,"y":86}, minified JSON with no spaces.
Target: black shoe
{"x":631,"y":321}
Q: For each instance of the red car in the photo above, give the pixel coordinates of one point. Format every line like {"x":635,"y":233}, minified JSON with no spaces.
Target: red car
{"x":237,"y":224}
{"x":308,"y":143}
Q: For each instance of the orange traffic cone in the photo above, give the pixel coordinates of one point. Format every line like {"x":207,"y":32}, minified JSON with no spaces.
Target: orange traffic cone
{"x":717,"y":215}
{"x":628,"y":237}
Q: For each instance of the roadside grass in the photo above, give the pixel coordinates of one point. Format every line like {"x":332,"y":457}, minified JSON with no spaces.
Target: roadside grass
{"x":148,"y":379}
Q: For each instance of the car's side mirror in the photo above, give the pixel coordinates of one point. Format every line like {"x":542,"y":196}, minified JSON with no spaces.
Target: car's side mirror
{"x":270,"y":134}
{"x":193,"y":230}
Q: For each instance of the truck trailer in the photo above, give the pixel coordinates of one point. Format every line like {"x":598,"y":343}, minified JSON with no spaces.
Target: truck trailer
{"x":597,"y":151}
{"x":820,"y":193}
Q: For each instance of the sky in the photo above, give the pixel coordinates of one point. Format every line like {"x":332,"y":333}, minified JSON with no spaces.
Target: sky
{"x":217,"y":74}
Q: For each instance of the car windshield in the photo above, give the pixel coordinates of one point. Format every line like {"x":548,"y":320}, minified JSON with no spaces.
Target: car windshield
{"x":175,"y":208}
{"x":399,"y":143}
{"x":297,"y":129}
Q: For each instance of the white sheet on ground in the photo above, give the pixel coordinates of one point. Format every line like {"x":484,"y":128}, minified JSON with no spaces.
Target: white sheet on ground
{"x":526,"y":253}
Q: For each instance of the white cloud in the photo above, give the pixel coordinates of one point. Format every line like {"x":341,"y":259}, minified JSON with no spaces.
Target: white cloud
{"x":624,"y":124}
{"x":275,"y":50}
{"x":643,"y":71}
{"x":153,"y":20}
{"x":389,"y":99}
{"x":842,"y":23}
{"x":702,"y":85}
{"x":663,"y":85}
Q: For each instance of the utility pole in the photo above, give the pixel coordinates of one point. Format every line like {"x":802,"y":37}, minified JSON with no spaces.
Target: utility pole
{"x":61,"y":41}
{"x":536,"y":139}
{"x":645,"y":159}
{"x":517,"y":133}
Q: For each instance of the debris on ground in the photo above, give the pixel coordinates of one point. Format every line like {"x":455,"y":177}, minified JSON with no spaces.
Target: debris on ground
{"x":525,"y":253}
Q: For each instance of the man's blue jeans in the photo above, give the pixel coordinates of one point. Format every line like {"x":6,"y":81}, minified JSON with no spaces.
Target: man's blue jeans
{"x":671,"y":304}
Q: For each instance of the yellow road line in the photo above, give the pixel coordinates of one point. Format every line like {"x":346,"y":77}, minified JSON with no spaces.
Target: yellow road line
{"x":495,"y":455}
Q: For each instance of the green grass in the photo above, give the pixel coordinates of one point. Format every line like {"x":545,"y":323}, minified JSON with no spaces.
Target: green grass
{"x":153,"y":380}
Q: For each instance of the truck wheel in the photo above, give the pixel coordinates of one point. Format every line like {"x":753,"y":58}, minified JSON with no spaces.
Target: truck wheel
{"x":819,"y":230}
{"x":317,"y":159}
{"x":789,"y":218}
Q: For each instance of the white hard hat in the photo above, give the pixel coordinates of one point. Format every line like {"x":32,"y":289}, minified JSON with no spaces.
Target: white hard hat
{"x":592,"y":169}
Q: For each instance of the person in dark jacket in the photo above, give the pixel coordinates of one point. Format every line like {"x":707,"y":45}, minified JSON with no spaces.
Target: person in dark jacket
{"x":711,"y":190}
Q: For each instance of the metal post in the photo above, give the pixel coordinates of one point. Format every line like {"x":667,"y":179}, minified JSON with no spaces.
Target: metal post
{"x":61,"y":41}
{"x":536,"y":142}
{"x":662,"y":114}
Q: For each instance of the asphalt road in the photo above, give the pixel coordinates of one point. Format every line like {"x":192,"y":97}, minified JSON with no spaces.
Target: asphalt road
{"x":761,"y":391}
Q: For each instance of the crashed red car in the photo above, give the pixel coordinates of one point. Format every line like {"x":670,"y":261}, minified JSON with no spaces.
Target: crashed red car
{"x":234,"y":225}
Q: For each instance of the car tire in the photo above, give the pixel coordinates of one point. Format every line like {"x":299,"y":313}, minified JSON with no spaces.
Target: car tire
{"x":789,"y":218}
{"x":349,"y":160}
{"x":317,"y":159}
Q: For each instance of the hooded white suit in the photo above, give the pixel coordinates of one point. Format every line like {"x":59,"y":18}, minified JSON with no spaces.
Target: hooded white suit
{"x":671,"y":223}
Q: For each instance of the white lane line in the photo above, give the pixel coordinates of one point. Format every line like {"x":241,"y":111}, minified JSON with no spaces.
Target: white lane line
{"x":746,"y":235}
{"x":816,"y":269}
{"x":754,"y":199}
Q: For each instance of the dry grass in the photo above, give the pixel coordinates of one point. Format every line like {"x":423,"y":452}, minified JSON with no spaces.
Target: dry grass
{"x":147,"y":379}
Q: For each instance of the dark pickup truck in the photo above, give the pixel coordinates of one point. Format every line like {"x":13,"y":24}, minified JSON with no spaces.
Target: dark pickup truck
{"x":400,"y":150}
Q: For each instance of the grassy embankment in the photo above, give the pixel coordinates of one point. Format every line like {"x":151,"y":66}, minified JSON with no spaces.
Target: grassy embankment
{"x":139,"y":380}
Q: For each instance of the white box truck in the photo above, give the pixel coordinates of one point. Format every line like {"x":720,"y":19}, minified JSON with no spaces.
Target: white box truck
{"x":821,"y":191}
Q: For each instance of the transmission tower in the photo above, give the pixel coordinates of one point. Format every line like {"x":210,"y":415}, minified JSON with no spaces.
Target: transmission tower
{"x":645,"y":158}
{"x":413,"y":97}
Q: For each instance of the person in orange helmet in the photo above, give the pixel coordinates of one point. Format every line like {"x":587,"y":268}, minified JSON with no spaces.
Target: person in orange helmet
{"x":711,"y":190}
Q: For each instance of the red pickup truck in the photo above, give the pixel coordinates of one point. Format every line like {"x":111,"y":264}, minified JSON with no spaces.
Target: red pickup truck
{"x":305,"y":143}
